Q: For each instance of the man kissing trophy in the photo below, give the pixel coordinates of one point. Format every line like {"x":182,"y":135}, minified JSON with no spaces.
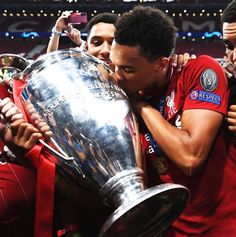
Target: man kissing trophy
{"x":96,"y":141}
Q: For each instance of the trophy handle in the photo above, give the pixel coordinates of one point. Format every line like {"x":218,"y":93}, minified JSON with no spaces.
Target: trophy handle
{"x":60,"y":154}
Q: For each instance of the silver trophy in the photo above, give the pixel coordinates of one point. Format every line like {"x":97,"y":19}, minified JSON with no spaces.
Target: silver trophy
{"x":96,"y":141}
{"x":11,"y":65}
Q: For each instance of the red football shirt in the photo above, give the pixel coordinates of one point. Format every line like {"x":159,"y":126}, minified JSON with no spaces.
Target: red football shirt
{"x":17,"y":192}
{"x":211,"y":212}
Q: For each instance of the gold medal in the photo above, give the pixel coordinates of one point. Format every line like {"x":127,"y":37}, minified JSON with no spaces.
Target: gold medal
{"x":160,"y":165}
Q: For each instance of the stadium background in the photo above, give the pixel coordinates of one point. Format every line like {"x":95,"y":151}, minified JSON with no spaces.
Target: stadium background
{"x":25,"y":25}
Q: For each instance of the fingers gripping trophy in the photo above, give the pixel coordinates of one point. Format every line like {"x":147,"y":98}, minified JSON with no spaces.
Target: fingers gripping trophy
{"x":96,"y":141}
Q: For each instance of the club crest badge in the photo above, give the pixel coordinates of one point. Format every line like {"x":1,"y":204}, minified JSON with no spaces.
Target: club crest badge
{"x":209,"y":80}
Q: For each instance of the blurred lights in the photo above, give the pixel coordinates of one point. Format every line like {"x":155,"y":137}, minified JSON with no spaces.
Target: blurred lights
{"x":43,"y":13}
{"x":193,"y":36}
{"x":181,"y":35}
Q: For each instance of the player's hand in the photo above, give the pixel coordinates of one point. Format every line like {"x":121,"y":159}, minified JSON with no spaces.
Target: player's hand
{"x":179,"y":60}
{"x":15,"y":131}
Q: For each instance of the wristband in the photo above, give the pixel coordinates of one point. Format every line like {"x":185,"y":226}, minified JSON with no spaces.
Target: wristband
{"x":55,"y":32}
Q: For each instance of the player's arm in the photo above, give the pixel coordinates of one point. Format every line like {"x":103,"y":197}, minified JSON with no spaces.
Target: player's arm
{"x":189,"y":146}
{"x":231,"y":119}
{"x":57,"y":30}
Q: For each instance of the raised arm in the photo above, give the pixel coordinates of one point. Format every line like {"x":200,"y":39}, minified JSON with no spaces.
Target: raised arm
{"x":60,"y":26}
{"x":57,"y":30}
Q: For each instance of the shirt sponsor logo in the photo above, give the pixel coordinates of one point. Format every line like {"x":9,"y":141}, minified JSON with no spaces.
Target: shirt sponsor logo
{"x":205,"y":96}
{"x":209,"y":80}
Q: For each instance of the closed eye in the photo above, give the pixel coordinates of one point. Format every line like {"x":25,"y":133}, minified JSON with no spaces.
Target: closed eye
{"x":128,"y":69}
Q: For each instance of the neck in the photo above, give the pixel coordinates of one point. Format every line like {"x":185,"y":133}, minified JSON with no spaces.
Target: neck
{"x":160,"y":89}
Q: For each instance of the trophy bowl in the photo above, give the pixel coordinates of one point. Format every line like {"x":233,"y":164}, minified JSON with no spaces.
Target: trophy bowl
{"x":96,"y":141}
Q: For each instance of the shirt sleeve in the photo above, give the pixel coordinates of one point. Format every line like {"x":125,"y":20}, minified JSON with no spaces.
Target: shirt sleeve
{"x":206,"y":85}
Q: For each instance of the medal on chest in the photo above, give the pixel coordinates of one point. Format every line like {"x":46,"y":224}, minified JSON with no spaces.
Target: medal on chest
{"x":160,"y":165}
{"x":156,"y":157}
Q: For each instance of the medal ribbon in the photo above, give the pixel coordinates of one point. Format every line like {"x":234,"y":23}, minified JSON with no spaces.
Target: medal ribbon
{"x":160,"y":107}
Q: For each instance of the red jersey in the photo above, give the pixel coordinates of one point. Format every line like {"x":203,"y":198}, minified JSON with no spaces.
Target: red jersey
{"x":20,"y":213}
{"x":17,"y":195}
{"x":211,"y":211}
{"x":17,"y":192}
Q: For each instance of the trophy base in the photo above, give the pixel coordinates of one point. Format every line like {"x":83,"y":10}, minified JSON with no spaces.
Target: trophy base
{"x":149,"y":214}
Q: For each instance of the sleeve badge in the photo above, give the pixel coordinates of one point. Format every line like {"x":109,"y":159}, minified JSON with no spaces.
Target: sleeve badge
{"x":209,"y":80}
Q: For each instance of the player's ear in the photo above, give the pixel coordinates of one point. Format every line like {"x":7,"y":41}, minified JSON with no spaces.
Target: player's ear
{"x":162,"y":63}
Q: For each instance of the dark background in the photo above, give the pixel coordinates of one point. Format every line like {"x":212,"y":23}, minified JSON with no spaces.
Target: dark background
{"x":25,"y":26}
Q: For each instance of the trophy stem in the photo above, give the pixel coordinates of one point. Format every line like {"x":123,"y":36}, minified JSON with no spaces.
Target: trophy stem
{"x":123,"y":187}
{"x":148,"y":214}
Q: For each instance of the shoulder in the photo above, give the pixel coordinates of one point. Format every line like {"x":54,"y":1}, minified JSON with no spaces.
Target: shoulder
{"x":204,"y":61}
{"x":206,"y":58}
{"x":204,"y":72}
{"x":203,"y":66}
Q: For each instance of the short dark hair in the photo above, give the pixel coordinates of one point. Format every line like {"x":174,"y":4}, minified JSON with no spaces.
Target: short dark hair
{"x":229,"y":14}
{"x":150,"y":29}
{"x":105,"y":17}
